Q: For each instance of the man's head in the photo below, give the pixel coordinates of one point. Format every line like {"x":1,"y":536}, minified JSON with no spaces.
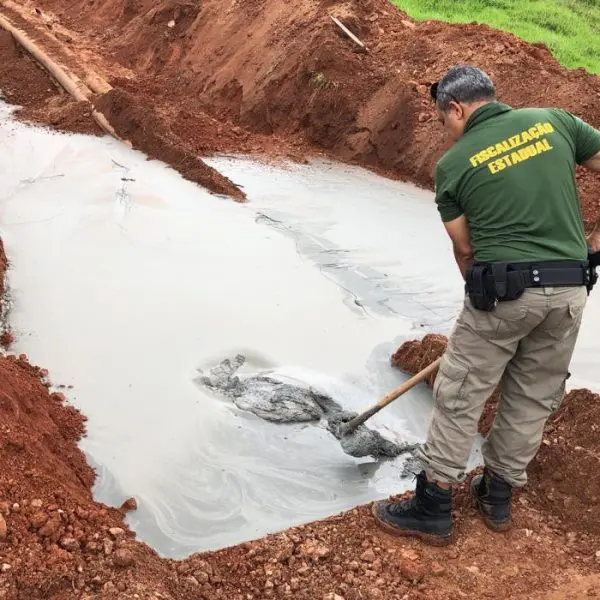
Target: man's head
{"x":459,"y":94}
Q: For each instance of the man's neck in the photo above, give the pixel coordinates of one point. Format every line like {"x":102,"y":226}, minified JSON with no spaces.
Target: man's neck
{"x":475,"y":106}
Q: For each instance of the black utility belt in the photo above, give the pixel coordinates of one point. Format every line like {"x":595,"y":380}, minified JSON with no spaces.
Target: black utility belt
{"x":493,"y":282}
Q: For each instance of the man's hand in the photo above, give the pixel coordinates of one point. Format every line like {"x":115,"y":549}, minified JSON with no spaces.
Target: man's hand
{"x":459,"y":233}
{"x":593,"y":164}
{"x":594,"y":240}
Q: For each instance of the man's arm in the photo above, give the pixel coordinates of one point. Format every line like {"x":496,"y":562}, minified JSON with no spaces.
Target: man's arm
{"x":458,"y":230}
{"x":594,"y":238}
{"x":586,"y":140}
{"x":453,"y":218}
{"x":593,"y":163}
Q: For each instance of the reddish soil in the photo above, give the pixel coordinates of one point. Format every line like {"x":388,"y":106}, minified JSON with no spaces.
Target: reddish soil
{"x":266,"y":76}
{"x":146,"y":131}
{"x":263,"y":75}
{"x":24,"y":84}
{"x":21,"y":80}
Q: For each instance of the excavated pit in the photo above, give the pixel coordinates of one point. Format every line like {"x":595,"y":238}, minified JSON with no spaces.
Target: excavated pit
{"x":126,"y":279}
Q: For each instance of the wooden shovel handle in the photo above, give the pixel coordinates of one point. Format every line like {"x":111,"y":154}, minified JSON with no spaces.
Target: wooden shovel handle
{"x":389,"y":398}
{"x":409,"y":383}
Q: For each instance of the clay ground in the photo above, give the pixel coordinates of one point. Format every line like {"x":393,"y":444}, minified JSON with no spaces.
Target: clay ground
{"x":278,"y":80}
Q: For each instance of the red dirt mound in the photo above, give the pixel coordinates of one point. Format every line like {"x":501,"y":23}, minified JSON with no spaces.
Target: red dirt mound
{"x":570,"y":454}
{"x":25,"y":84}
{"x":415,"y":355}
{"x":134,"y":123}
{"x":54,"y":540}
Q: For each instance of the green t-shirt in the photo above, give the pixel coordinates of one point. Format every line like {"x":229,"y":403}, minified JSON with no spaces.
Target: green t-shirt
{"x":512,"y":175}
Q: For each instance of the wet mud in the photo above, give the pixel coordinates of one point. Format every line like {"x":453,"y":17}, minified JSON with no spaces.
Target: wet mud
{"x":281,"y":402}
{"x":264,"y":396}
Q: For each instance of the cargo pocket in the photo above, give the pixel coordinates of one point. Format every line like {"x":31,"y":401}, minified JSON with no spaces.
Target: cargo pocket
{"x":448,"y":388}
{"x":508,"y":315}
{"x":576,"y":311}
{"x":563,"y":321}
{"x":505,"y":318}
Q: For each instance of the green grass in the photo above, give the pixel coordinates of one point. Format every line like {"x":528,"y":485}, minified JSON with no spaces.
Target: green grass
{"x":570,"y":28}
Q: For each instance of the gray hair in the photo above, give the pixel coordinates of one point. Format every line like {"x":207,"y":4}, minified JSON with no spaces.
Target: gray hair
{"x":466,"y":84}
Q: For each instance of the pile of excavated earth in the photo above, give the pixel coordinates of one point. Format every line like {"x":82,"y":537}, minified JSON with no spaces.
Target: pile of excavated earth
{"x":180,"y":79}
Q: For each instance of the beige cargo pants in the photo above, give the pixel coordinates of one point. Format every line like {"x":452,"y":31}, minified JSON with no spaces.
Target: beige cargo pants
{"x":525,"y":345}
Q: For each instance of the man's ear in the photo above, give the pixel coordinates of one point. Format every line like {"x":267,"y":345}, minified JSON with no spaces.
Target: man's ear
{"x":457,"y":108}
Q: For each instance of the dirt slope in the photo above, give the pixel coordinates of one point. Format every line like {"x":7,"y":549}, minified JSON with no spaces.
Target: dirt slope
{"x":25,"y":84}
{"x":283,"y":68}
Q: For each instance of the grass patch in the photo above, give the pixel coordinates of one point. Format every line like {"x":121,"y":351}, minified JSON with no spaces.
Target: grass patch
{"x":570,"y":28}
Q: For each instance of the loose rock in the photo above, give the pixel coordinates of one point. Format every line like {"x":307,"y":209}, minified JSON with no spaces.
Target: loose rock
{"x":204,"y":566}
{"x":68,"y":543}
{"x":412,"y":571}
{"x":201,"y":577}
{"x":129,"y":505}
{"x":368,"y":555}
{"x":116,"y":532}
{"x":123,"y":557}
{"x":51,"y":527}
{"x":108,"y":547}
{"x":38,"y":519}
{"x":3,"y":528}
{"x":82,"y":513}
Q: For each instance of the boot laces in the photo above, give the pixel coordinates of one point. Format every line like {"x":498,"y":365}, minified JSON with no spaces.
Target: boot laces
{"x":413,"y":504}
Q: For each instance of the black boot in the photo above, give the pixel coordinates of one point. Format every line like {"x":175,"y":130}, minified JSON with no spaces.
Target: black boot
{"x":427,"y":515}
{"x":493,"y":496}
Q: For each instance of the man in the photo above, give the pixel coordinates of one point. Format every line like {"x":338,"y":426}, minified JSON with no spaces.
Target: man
{"x":506,"y":192}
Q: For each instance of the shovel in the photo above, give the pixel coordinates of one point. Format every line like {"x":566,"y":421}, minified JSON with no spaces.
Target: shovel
{"x":350,"y":426}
